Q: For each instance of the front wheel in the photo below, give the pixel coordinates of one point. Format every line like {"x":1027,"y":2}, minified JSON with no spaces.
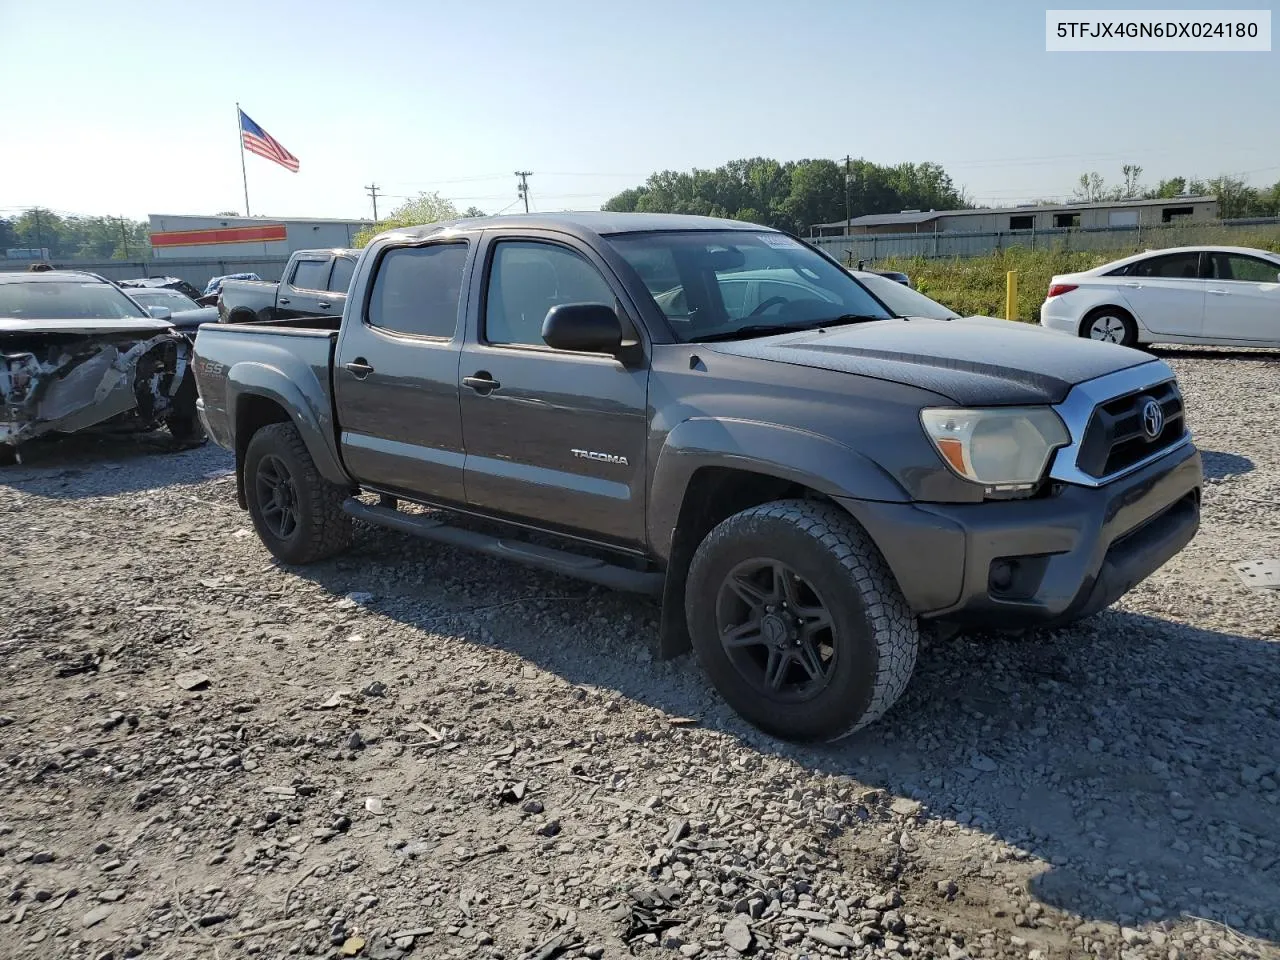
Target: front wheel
{"x":298,"y":513}
{"x":798,"y":621}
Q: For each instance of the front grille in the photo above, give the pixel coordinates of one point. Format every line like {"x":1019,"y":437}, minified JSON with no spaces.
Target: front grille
{"x":1115,"y":438}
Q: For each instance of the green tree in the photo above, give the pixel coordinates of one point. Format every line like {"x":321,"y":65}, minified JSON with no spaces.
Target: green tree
{"x":793,"y":195}
{"x":1090,"y":187}
{"x":474,"y":212}
{"x":424,"y":208}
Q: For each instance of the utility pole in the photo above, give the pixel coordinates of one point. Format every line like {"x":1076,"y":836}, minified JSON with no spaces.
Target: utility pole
{"x":124,"y":237}
{"x":373,"y":193}
{"x":848,"y":213}
{"x":523,"y":191}
{"x":39,"y":236}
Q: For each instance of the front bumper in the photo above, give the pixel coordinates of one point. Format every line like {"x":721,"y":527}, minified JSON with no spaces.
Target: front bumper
{"x":1042,"y":561}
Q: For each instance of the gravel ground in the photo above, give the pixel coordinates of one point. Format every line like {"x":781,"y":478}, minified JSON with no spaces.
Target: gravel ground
{"x":413,"y":751}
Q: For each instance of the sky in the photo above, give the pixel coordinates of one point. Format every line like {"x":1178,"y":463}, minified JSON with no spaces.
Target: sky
{"x":127,"y":107}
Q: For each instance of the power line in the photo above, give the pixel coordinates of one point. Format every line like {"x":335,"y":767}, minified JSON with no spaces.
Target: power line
{"x":523,"y":192}
{"x":373,"y":195}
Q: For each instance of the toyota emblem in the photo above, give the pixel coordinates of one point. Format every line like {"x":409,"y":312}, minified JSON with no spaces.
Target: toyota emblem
{"x":1152,"y":419}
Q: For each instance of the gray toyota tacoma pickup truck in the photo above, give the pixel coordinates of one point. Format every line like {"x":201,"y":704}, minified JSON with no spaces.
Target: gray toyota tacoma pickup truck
{"x":718,"y":414}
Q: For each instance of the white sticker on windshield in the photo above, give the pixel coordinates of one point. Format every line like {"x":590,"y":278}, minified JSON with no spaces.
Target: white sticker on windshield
{"x":778,"y":240}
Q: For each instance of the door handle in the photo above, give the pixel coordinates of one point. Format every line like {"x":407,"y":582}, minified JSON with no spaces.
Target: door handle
{"x":1136,"y":286}
{"x":359,"y":367}
{"x":323,"y":303}
{"x":282,"y":299}
{"x":1220,"y":293}
{"x":481,"y":383}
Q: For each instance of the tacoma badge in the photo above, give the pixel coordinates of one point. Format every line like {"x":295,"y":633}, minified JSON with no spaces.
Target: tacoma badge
{"x":601,"y":457}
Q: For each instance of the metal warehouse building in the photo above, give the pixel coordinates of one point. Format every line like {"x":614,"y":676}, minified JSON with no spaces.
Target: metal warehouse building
{"x":1115,"y":213}
{"x":187,"y":237}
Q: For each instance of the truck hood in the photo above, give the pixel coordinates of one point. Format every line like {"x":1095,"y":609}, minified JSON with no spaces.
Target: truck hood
{"x":974,"y":361}
{"x":142,"y":326}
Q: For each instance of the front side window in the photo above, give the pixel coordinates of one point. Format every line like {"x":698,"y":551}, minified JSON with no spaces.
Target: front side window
{"x":66,"y":300}
{"x":310,"y":274}
{"x":416,"y":290}
{"x":344,"y":269}
{"x":721,"y":284}
{"x":1174,"y":266}
{"x":1235,"y":266}
{"x":527,"y":279}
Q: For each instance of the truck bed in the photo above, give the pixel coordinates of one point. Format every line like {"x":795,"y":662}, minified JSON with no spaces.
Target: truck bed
{"x":297,"y":352}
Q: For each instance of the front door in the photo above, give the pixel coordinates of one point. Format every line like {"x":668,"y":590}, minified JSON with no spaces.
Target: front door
{"x":396,"y":374}
{"x":553,"y":437}
{"x":1166,"y":293}
{"x":1243,"y":301}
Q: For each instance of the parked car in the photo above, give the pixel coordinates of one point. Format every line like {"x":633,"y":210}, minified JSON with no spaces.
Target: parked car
{"x":185,"y":313}
{"x":76,"y":352}
{"x":805,"y":483}
{"x":1227,"y":296}
{"x":315,"y":285}
{"x":161,"y":283}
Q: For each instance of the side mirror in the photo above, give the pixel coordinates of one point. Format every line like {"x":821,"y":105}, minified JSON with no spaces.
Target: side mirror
{"x":583,"y":327}
{"x":160,"y":313}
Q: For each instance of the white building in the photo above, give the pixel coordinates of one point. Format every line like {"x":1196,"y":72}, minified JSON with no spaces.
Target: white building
{"x":186,"y":236}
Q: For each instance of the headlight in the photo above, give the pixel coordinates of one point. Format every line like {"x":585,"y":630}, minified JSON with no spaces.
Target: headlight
{"x":1002,"y":448}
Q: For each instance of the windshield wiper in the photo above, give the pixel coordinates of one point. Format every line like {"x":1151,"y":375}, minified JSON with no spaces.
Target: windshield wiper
{"x":771,"y":329}
{"x":750,"y":330}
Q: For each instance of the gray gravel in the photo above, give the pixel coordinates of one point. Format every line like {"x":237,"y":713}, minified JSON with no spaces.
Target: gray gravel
{"x":412,"y":751}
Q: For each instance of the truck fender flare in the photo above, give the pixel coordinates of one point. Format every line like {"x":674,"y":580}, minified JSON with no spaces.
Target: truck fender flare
{"x":250,"y":378}
{"x":788,"y":453}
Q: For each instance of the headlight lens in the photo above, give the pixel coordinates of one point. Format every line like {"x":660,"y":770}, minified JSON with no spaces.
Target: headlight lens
{"x":1002,"y":448}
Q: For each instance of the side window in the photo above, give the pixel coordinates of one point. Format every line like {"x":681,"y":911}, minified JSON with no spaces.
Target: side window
{"x":1229,"y":266}
{"x":416,"y":290}
{"x":1183,"y":266}
{"x":310,"y":275}
{"x":343,"y":270}
{"x":527,"y":279}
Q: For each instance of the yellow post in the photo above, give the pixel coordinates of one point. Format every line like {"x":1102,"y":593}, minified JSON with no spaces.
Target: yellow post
{"x":1011,"y":295}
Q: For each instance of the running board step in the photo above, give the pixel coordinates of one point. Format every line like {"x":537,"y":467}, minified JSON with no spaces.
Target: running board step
{"x":544,"y":558}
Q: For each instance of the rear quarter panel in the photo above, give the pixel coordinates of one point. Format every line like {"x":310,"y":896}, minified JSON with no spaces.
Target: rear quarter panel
{"x":288,"y":367}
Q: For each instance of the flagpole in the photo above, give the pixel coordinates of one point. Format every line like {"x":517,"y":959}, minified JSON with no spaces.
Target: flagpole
{"x":243,"y":173}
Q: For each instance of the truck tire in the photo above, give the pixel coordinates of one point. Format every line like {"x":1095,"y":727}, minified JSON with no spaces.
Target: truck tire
{"x":798,"y":622}
{"x":8,"y":455}
{"x":297,"y":513}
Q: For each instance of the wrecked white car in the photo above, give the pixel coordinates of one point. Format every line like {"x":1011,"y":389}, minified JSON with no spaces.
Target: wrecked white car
{"x":76,"y":352}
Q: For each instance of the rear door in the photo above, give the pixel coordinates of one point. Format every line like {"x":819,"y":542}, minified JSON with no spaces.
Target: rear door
{"x":340,"y":274}
{"x":1166,"y":293}
{"x":300,"y":293}
{"x":1243,"y":301}
{"x":553,"y":437}
{"x":396,"y":373}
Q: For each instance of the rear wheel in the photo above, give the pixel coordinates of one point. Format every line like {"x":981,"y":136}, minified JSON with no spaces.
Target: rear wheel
{"x":1110,"y":325}
{"x":298,"y":513}
{"x":798,"y":621}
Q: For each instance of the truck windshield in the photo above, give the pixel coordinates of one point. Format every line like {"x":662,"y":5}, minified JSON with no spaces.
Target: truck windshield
{"x":66,"y":300}
{"x":713,"y":283}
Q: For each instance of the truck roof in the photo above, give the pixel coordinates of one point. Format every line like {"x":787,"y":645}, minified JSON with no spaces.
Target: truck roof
{"x":590,"y":222}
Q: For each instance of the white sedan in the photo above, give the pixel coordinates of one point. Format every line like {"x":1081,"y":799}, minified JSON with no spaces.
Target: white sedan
{"x":1228,"y":296}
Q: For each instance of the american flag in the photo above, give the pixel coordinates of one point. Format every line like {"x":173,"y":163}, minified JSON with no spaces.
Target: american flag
{"x":256,"y":140}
